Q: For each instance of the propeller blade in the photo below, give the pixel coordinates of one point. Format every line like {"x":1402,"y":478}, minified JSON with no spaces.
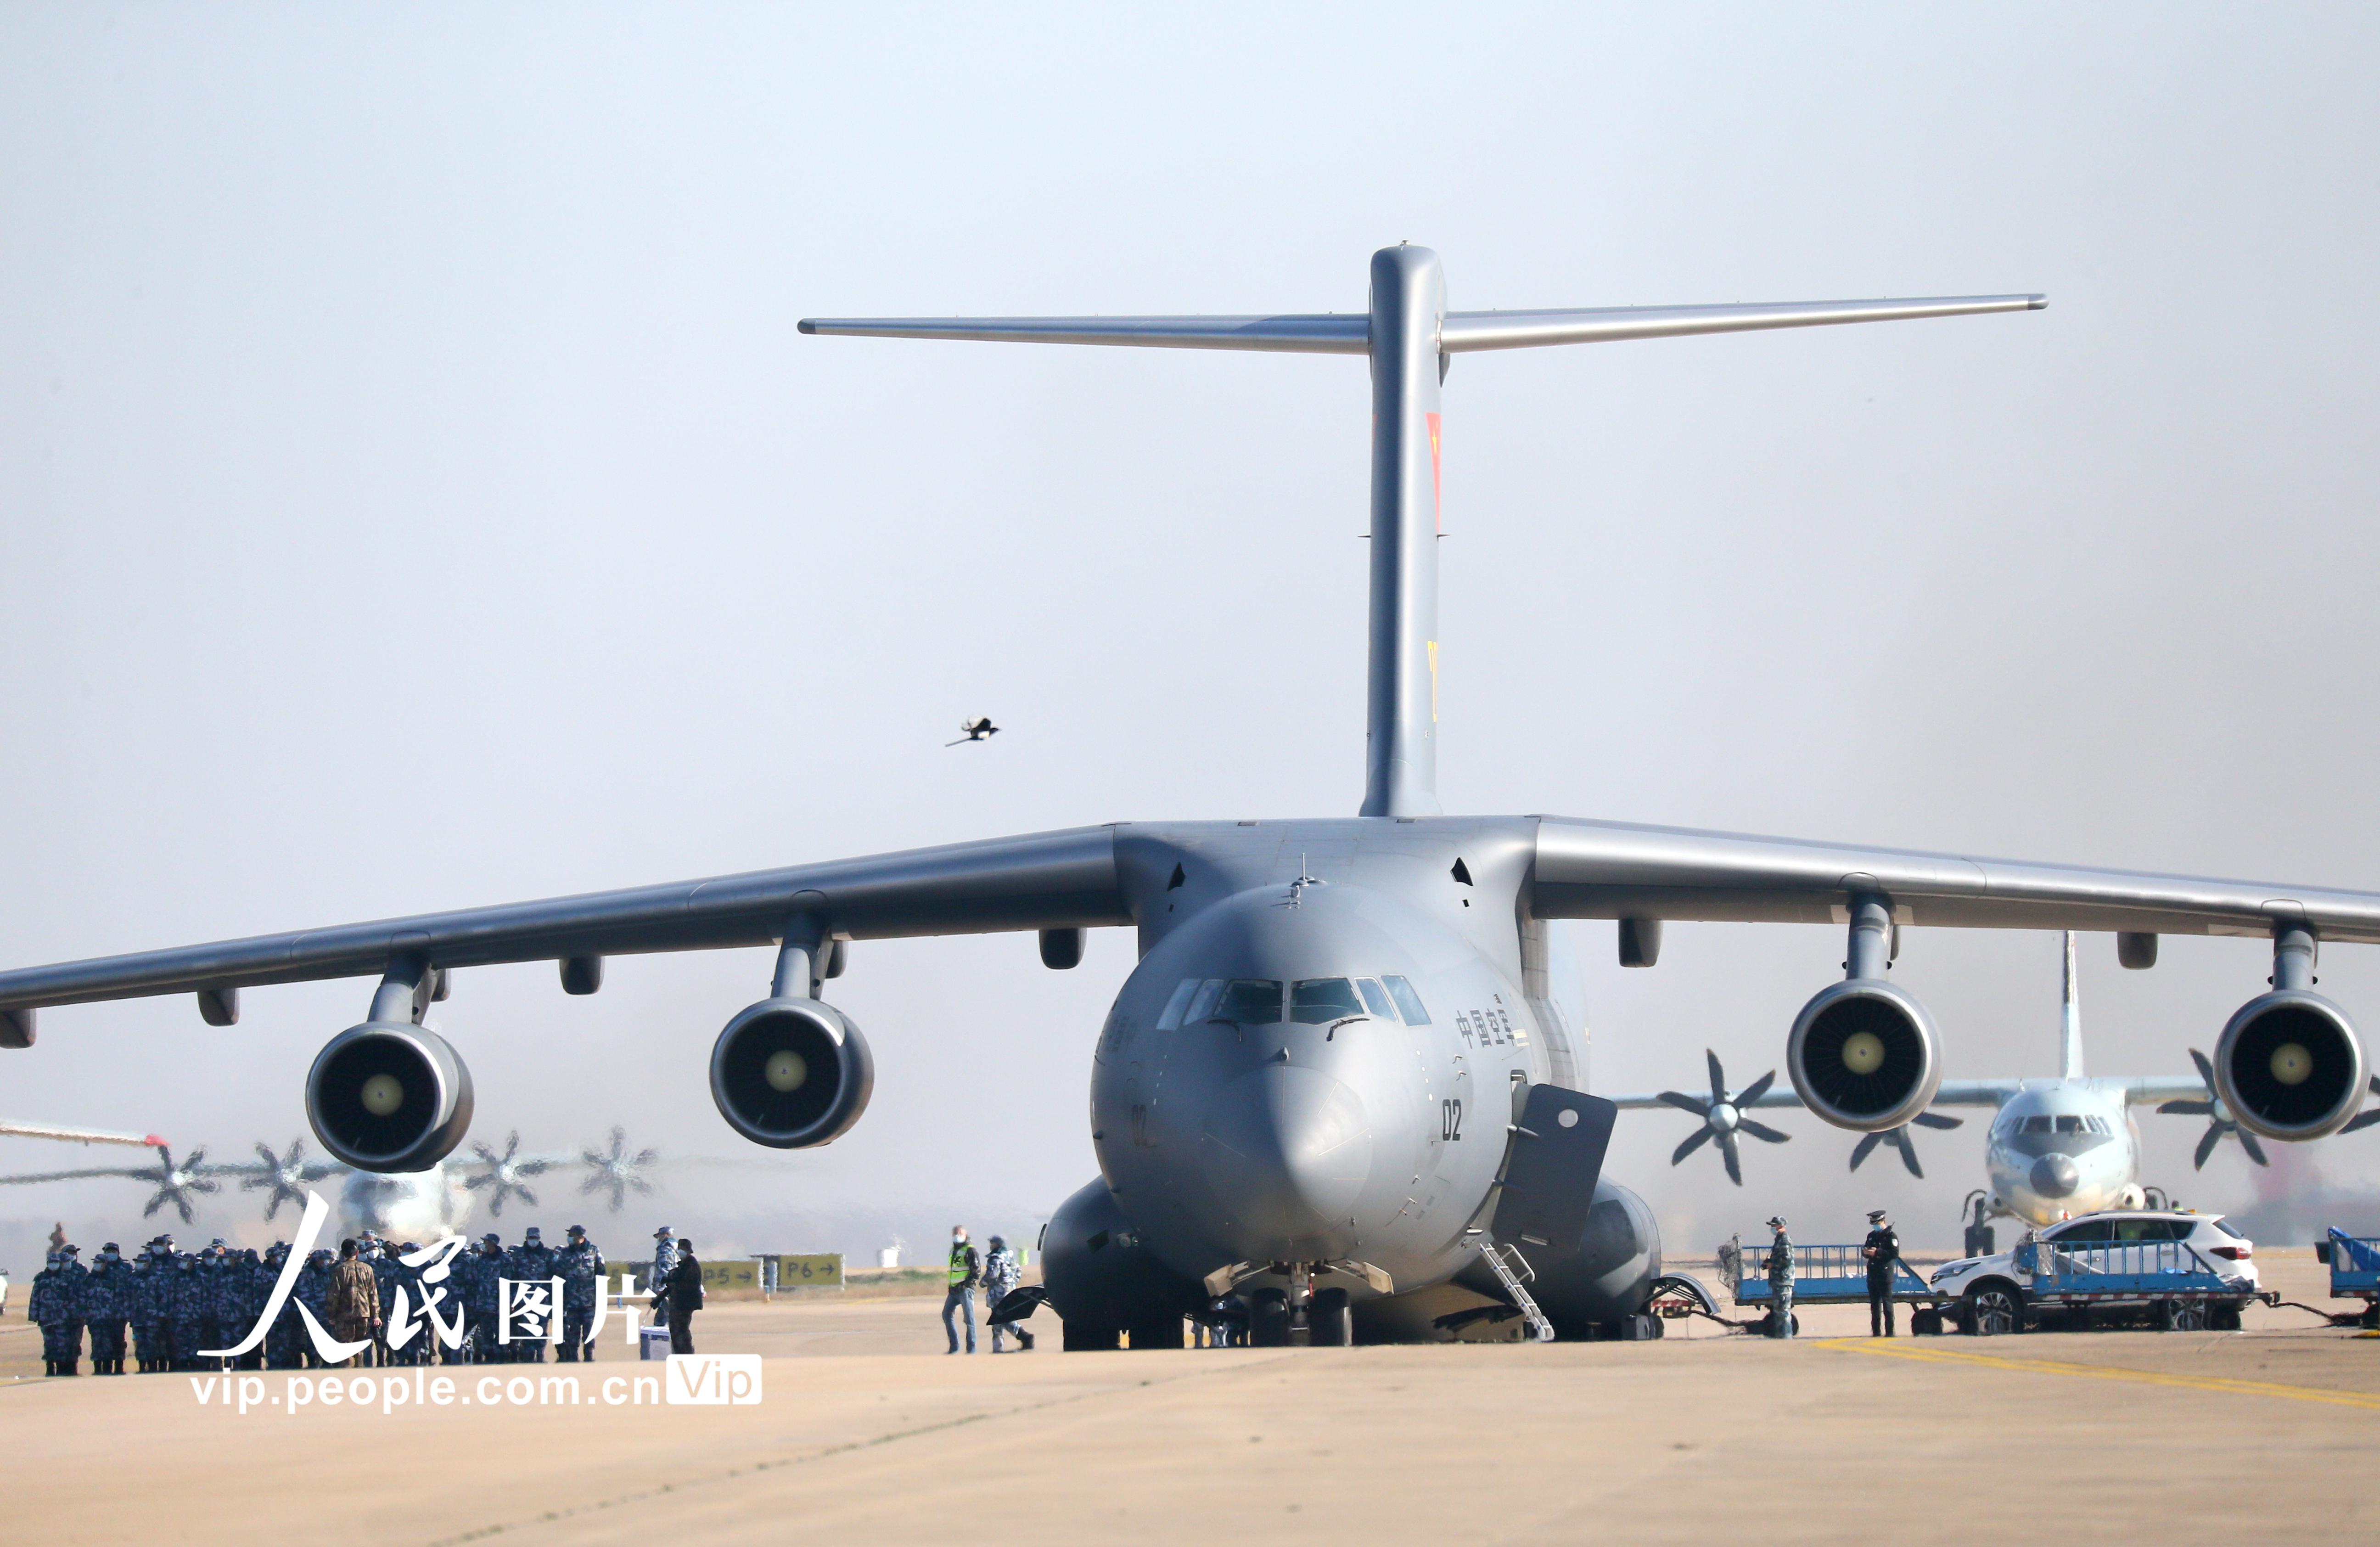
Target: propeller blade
{"x":2189,"y":1109}
{"x":1761,"y":1131}
{"x":1757,"y":1089}
{"x":1718,"y":1076}
{"x":2206,"y":1142}
{"x":1901,"y":1141}
{"x":1694,"y":1141}
{"x":2205,"y":1069}
{"x":1694,"y":1105}
{"x":264,"y":1154}
{"x":2248,"y":1142}
{"x":1864,"y":1147}
{"x":1935,"y":1120}
{"x":1734,"y":1159}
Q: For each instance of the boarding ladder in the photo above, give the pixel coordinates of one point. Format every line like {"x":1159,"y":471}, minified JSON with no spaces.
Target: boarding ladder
{"x":1500,"y":1261}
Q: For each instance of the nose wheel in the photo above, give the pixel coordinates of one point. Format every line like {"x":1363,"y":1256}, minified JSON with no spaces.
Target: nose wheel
{"x":1301,"y":1315}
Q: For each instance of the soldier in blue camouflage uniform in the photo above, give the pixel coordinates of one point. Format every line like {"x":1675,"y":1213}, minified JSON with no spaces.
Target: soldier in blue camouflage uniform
{"x":582,"y":1269}
{"x":531,"y":1262}
{"x":45,"y":1309}
{"x":143,"y":1321}
{"x":107,"y":1304}
{"x":156,"y":1306}
{"x":214,"y":1297}
{"x":313,"y":1290}
{"x":255,"y":1288}
{"x":186,"y":1293}
{"x":664,"y":1259}
{"x":373,"y":1252}
{"x":475,"y":1274}
{"x":1001,"y":1273}
{"x":1780,"y":1281}
{"x":70,"y":1292}
{"x":284,"y":1340}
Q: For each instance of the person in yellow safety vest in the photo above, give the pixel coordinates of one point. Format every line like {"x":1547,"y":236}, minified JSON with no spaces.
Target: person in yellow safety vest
{"x":966,"y":1272}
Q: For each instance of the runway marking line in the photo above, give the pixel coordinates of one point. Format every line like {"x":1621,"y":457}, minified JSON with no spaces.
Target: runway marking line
{"x":2110,"y":1372}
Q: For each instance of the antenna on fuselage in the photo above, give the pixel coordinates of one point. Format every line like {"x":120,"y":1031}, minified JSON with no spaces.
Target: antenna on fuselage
{"x":1409,"y":338}
{"x":2070,"y":1020}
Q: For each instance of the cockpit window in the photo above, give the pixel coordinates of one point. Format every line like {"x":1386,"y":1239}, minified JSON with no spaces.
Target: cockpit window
{"x":2070,"y":1125}
{"x":1171,"y":1017}
{"x":1193,"y":1001}
{"x":1376,"y":998}
{"x":2036,"y":1125}
{"x":1320,"y":1001}
{"x":1407,"y":1001}
{"x":1249,"y":1002}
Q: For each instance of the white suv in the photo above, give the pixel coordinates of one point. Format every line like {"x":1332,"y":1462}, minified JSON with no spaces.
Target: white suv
{"x":1996,"y":1294}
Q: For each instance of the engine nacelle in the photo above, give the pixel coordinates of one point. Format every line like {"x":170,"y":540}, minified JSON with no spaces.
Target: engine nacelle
{"x":791,"y":1073}
{"x":389,"y":1096}
{"x":2289,"y":1065}
{"x":1863,"y":1055}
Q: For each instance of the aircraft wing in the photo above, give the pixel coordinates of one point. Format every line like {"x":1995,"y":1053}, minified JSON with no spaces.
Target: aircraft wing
{"x":150,"y":1175}
{"x":1067,"y":878}
{"x":2148,"y":1090}
{"x":1612,"y":869}
{"x":1781,"y":1095}
{"x":1954,"y":1093}
{"x":78,"y":1136}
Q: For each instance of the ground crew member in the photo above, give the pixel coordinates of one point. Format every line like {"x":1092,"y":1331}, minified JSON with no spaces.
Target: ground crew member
{"x":684,"y":1299}
{"x":475,"y":1276}
{"x":1882,"y":1251}
{"x":1780,"y":1280}
{"x":966,"y":1272}
{"x":285,"y":1338}
{"x":354,"y":1299}
{"x":69,"y":1293}
{"x":1001,"y":1273}
{"x":581,"y":1267}
{"x":664,"y":1259}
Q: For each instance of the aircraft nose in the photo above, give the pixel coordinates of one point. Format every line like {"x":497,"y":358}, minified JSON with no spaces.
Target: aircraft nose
{"x":2055,"y":1176}
{"x":1287,"y":1152}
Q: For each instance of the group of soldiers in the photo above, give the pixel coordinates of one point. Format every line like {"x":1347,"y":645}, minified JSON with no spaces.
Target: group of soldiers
{"x":175,"y":1303}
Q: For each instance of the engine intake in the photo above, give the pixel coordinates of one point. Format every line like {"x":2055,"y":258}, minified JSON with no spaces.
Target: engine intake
{"x":1863,"y":1055}
{"x":791,"y":1073}
{"x":2289,"y":1065}
{"x":389,"y":1096}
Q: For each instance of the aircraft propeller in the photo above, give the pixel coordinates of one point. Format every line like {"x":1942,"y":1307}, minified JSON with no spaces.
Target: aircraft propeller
{"x":176,"y":1183}
{"x":2218,"y":1119}
{"x":286,"y":1176}
{"x":1899,"y":1139}
{"x":619,"y":1171}
{"x":506,"y":1174}
{"x":1723,"y":1117}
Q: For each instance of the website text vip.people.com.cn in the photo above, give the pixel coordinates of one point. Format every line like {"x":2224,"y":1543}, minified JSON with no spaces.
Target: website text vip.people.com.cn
{"x":685,"y":1379}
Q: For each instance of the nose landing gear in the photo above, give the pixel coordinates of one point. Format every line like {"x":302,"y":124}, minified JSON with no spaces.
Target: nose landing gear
{"x":1300,"y":1316}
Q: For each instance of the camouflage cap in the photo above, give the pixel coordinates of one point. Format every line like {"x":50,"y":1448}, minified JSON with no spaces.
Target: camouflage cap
{"x":577,"y":1230}
{"x":532,"y":1237}
{"x":662,"y":1233}
{"x":1776,"y":1222}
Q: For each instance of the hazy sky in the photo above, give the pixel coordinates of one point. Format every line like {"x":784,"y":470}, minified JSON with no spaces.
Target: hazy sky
{"x":414,"y":494}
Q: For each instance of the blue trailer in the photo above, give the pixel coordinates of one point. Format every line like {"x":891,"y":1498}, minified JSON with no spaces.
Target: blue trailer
{"x":2354,"y":1263}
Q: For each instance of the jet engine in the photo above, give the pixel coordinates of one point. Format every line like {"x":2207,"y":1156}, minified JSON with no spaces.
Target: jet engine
{"x":389,"y":1096}
{"x":2289,"y":1065}
{"x":1863,"y":1055}
{"x":791,"y":1073}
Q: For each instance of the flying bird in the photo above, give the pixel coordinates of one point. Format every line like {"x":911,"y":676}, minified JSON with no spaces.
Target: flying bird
{"x":978,"y":730}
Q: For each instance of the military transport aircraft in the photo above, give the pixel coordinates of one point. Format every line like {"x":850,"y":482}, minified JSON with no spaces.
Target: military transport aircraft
{"x":1334,"y":1084}
{"x":2057,"y":1147}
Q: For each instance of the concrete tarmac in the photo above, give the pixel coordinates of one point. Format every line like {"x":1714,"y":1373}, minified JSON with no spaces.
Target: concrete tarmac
{"x":866,"y":1430}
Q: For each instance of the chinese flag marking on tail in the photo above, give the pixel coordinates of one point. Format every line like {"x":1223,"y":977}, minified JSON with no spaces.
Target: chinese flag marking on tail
{"x":1436,"y":489}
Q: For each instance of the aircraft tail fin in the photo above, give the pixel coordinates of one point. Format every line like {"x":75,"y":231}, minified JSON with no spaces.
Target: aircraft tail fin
{"x":1410,"y":337}
{"x":2070,"y":1043}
